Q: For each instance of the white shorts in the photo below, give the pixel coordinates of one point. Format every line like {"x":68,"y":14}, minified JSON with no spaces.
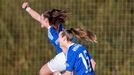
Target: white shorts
{"x":58,"y":63}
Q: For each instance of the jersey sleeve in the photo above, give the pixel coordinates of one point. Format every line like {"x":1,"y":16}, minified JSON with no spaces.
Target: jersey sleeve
{"x":53,"y":37}
{"x":71,"y":59}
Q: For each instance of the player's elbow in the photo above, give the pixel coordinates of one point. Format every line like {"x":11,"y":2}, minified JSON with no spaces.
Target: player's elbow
{"x":92,"y":61}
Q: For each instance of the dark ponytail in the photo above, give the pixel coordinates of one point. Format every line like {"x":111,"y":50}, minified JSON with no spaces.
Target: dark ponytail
{"x":79,"y":33}
{"x":55,"y":16}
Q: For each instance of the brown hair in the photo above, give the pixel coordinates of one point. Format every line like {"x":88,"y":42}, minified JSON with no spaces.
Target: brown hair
{"x":79,"y":33}
{"x":55,"y":16}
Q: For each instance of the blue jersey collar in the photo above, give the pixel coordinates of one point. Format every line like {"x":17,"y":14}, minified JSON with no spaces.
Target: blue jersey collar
{"x":69,"y":46}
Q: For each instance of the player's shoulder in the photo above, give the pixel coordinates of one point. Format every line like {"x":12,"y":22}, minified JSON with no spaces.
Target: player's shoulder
{"x":50,"y":28}
{"x":77,"y":47}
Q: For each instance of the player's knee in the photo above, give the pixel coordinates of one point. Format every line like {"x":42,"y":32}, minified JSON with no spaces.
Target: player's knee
{"x":44,"y":70}
{"x":56,"y":73}
{"x":41,"y":72}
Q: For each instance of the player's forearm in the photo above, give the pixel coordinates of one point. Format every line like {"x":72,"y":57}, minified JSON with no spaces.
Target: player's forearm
{"x":33,"y":13}
{"x":93,"y":64}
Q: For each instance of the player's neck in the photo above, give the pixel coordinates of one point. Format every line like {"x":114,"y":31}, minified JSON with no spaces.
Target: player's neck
{"x":69,"y":44}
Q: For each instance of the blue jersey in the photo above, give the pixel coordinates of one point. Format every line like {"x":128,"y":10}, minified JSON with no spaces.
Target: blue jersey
{"x":53,"y":37}
{"x":78,"y":60}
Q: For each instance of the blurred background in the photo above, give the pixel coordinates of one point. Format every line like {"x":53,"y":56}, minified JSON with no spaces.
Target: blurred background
{"x":24,"y":46}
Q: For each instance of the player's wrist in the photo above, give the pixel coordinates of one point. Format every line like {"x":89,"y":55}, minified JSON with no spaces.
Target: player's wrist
{"x":27,"y":8}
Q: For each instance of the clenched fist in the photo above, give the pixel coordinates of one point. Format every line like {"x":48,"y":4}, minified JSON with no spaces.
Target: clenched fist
{"x":25,"y":5}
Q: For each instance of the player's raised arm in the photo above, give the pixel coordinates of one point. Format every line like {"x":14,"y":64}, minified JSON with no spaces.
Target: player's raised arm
{"x":32,"y":12}
{"x":44,"y":21}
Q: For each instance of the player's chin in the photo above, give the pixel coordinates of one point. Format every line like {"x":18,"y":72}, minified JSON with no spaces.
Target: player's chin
{"x":42,"y":26}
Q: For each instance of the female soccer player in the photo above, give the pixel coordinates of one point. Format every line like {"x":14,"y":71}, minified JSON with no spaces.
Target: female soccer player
{"x":51,"y":20}
{"x":78,"y":59}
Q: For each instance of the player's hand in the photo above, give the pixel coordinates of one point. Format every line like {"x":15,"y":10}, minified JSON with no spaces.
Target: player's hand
{"x":25,"y":5}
